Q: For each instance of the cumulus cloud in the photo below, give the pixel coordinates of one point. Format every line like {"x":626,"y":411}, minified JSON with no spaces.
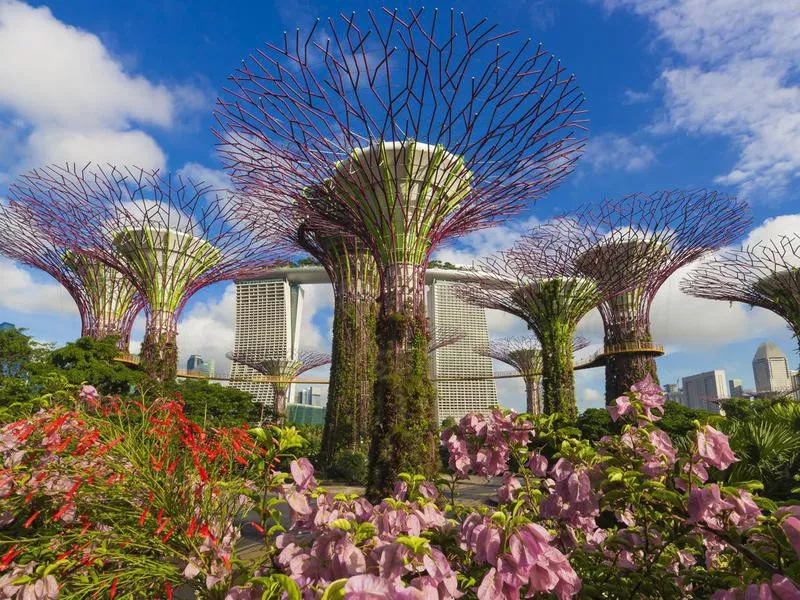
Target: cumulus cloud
{"x":23,"y":292}
{"x":65,"y":97}
{"x":735,"y":78}
{"x":216,"y":178}
{"x":610,"y":152}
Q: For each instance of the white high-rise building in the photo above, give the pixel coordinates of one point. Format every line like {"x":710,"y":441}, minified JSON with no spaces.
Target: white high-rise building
{"x":771,"y":370}
{"x":735,"y":388}
{"x":268,"y":313}
{"x":447,"y":312}
{"x":701,"y":391}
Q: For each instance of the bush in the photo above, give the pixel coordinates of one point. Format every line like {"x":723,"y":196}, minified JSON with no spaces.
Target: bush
{"x":350,"y":466}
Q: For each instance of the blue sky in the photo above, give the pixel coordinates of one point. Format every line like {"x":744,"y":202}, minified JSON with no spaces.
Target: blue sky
{"x":678,"y":97}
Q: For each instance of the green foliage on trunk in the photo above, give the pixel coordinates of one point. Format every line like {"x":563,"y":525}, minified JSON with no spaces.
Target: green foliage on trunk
{"x":159,"y":361}
{"x":352,"y":383}
{"x":404,"y":424}
{"x":558,"y":380}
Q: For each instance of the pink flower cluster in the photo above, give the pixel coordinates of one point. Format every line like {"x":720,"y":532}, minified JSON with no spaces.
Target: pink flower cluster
{"x":480,"y":444}
{"x":779,"y":588}
{"x":710,"y":507}
{"x":571,"y":498}
{"x":645,"y":403}
{"x":529,"y":561}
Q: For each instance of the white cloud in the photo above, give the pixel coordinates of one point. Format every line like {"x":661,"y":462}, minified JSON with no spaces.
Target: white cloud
{"x":610,"y":152}
{"x":467,"y":249}
{"x":21,"y":291}
{"x":737,"y":80}
{"x":46,"y":146}
{"x":216,"y":178}
{"x":66,"y":97}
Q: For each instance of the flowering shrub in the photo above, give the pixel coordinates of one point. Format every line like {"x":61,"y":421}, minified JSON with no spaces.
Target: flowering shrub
{"x":110,"y":498}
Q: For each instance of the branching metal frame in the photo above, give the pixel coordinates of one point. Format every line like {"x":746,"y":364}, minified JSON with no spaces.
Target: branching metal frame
{"x":765,"y":274}
{"x":107,"y":301}
{"x":645,"y":239}
{"x":444,"y":337}
{"x":525,"y":355}
{"x":423,"y":127}
{"x":281,"y":371}
{"x":168,"y":235}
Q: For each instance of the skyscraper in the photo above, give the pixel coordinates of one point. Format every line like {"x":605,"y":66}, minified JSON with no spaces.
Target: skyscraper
{"x":735,"y":388}
{"x":267,"y":324}
{"x":771,"y":370}
{"x":701,"y":391}
{"x":447,"y":312}
{"x":195,"y":363}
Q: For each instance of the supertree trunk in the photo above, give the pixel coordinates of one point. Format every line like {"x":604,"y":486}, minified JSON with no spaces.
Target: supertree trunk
{"x":533,"y":403}
{"x":626,"y":368}
{"x":558,"y":380}
{"x":352,"y":381}
{"x":159,"y":353}
{"x":404,"y":427}
{"x":279,"y":392}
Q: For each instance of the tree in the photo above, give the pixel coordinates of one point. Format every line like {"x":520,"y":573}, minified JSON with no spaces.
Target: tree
{"x":216,"y":406}
{"x":92,"y":361}
{"x":17,"y":352}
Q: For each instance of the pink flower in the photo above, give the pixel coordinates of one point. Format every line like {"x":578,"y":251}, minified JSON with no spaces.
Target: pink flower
{"x":538,"y":464}
{"x":713,"y":446}
{"x":505,"y":493}
{"x":621,"y":407}
{"x":706,"y":505}
{"x":784,"y":588}
{"x":88,"y":392}
{"x":303,"y":474}
{"x":368,"y":587}
{"x":791,"y":527}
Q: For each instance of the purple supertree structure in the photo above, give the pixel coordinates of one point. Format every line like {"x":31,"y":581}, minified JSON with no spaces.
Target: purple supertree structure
{"x":541,"y":280}
{"x":420,"y":128}
{"x":444,"y":336}
{"x":524,"y":354}
{"x":168,"y":235}
{"x":107,"y":301}
{"x":645,"y":239}
{"x":280,"y":373}
{"x":765,"y":274}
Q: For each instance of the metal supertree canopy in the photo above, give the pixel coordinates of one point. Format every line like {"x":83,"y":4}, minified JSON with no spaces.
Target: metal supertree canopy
{"x":524,"y":354}
{"x":168,"y":235}
{"x":107,"y":301}
{"x":541,"y":280}
{"x":281,"y":371}
{"x":443,"y":337}
{"x":765,"y":274}
{"x":419,"y":127}
{"x":645,"y":239}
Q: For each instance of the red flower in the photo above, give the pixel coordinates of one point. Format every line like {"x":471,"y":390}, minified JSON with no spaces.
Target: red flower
{"x":31,"y":519}
{"x":113,"y":590}
{"x":9,"y":556}
{"x":143,"y":517}
{"x":62,"y":511}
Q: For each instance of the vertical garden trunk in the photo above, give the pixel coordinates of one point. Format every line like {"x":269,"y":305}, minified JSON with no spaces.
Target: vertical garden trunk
{"x":532,"y":400}
{"x":623,"y":369}
{"x":558,"y":379}
{"x":352,"y":383}
{"x":279,"y":396}
{"x":404,"y":428}
{"x":159,"y":353}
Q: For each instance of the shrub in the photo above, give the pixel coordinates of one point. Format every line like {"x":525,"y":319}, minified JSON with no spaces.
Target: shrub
{"x":350,"y":466}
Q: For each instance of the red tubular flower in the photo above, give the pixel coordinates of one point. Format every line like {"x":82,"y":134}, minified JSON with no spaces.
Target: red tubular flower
{"x":162,"y":526}
{"x":62,"y":511}
{"x":60,"y":447}
{"x":143,"y":517}
{"x":171,"y":468}
{"x":192,"y":527}
{"x":113,"y":589}
{"x":258,"y":528}
{"x":12,"y":553}
{"x":168,"y":587}
{"x":168,"y":534}
{"x":31,"y":519}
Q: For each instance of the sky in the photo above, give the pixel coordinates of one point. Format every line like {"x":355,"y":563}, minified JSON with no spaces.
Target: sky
{"x":680,"y":93}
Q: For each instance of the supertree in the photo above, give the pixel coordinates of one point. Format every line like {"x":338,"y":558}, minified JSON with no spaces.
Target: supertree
{"x":444,"y":337}
{"x":354,"y":350}
{"x":540,"y":280}
{"x":645,"y":239}
{"x":524,"y":354}
{"x":420,"y":128}
{"x":765,"y":274}
{"x":107,"y":301}
{"x":281,"y":372}
{"x":168,"y":235}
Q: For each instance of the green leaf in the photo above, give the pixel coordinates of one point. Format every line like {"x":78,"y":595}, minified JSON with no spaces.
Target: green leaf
{"x":335,"y":591}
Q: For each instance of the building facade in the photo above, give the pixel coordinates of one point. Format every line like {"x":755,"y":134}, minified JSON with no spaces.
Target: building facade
{"x":771,"y":370}
{"x":703,"y":390}
{"x":447,"y":312}
{"x":309,"y":396}
{"x":673,"y":392}
{"x":267,"y":324}
{"x":735,"y":388}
